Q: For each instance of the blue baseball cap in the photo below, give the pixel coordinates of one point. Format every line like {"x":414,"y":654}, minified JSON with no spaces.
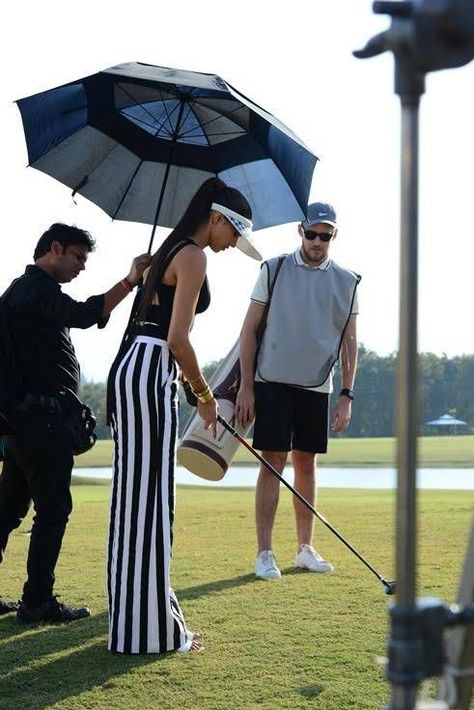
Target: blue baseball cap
{"x":319,"y":213}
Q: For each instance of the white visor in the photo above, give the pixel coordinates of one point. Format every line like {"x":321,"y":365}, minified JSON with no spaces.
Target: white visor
{"x":244,"y":228}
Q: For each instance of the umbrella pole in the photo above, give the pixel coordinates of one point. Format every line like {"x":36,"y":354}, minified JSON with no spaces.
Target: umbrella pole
{"x":174,"y":140}
{"x":158,"y":206}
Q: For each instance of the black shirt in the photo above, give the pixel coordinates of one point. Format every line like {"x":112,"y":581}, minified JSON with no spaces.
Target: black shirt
{"x":39,"y":317}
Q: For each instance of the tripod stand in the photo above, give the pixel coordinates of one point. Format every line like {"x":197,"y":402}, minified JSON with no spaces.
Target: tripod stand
{"x":457,"y":683}
{"x":424,"y":36}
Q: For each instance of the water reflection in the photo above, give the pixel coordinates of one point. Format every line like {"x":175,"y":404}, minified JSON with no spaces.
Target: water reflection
{"x":329,"y":477}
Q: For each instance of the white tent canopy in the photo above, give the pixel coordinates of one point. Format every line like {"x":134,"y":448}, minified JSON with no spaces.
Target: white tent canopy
{"x":446,"y":420}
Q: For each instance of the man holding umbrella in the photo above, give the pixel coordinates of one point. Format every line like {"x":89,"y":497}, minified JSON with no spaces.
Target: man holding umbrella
{"x":39,"y":455}
{"x":311,"y":321}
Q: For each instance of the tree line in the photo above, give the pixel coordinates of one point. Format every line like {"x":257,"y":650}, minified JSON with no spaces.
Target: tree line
{"x":446,"y":386}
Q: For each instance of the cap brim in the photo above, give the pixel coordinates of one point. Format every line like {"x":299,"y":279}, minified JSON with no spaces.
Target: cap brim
{"x":247,"y":248}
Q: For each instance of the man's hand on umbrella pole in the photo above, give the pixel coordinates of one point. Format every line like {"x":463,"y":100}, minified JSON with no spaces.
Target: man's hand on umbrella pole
{"x":139,"y":264}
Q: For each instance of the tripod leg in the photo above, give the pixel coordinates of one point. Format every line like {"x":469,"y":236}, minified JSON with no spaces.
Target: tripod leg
{"x":460,"y":645}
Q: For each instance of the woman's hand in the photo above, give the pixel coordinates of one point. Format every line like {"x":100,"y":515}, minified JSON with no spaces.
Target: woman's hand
{"x":209,"y":411}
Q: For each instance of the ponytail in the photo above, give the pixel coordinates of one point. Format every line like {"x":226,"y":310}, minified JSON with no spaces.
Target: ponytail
{"x":196,"y":214}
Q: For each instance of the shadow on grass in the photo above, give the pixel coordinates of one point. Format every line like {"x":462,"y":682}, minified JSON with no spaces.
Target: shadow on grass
{"x":33,"y":676}
{"x":311,"y":691}
{"x":218,"y":586}
{"x":41,"y":665}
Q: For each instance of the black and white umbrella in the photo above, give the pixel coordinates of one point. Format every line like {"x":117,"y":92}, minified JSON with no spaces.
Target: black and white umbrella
{"x":138,"y":140}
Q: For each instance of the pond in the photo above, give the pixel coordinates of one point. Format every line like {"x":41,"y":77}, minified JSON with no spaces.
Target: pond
{"x":328,"y":477}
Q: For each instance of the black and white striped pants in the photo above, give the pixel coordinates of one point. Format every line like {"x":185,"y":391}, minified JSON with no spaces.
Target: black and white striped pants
{"x":144,"y":614}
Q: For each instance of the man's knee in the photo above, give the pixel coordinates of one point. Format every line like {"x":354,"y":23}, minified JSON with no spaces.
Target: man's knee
{"x":277,"y":459}
{"x":303,"y":461}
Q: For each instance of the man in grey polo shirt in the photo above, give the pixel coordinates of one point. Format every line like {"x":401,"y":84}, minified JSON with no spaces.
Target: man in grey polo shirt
{"x":311,"y":323}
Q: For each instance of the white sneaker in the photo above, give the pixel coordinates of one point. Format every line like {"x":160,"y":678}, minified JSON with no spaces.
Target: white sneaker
{"x":266,"y":566}
{"x":311,"y":560}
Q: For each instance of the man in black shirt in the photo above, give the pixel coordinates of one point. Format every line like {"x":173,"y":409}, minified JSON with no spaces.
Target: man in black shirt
{"x":36,"y":318}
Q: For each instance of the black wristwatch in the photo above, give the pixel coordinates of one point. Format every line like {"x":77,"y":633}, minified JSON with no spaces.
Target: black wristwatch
{"x":347,"y":392}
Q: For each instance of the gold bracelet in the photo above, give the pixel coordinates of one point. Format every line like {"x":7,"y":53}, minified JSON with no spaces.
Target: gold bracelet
{"x":205,"y":388}
{"x":205,"y":396}
{"x":202,"y":392}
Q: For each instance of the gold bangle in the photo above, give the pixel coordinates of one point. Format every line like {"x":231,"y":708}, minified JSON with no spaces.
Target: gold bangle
{"x":203,"y":391}
{"x":205,"y":396}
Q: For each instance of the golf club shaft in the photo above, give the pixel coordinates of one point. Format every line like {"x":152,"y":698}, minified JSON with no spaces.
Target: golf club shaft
{"x":303,"y":500}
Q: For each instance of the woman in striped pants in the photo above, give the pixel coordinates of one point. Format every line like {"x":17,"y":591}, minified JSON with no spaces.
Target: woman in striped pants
{"x":144,"y":613}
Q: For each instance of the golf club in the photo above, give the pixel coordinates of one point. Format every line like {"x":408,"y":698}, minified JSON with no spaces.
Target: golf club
{"x":388,"y":587}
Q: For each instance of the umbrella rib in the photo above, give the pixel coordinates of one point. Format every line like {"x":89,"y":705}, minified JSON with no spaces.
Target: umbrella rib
{"x":227,"y":114}
{"x":127,"y":189}
{"x":168,"y":117}
{"x":147,"y":111}
{"x":217,"y":118}
{"x":171,"y":129}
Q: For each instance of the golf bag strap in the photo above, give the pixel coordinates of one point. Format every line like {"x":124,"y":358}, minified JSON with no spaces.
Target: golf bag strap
{"x":272,"y":282}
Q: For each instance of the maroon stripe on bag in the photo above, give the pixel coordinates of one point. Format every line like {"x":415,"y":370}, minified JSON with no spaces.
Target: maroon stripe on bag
{"x":203,"y":449}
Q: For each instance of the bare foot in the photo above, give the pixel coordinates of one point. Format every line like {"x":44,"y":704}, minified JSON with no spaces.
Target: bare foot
{"x":197,"y":644}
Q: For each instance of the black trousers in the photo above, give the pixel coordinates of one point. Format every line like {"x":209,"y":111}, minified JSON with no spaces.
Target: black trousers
{"x":37,"y":468}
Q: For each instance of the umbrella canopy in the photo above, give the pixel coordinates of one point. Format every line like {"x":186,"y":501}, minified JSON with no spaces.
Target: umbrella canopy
{"x":138,"y":140}
{"x":446,"y":420}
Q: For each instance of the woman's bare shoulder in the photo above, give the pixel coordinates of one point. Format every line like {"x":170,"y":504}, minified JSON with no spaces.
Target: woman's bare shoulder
{"x":191,"y":254}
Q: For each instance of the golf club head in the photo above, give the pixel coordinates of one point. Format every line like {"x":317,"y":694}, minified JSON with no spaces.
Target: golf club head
{"x":389,"y":587}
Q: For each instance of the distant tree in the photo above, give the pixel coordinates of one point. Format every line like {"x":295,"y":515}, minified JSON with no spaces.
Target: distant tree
{"x":445,"y":384}
{"x":373,"y":410}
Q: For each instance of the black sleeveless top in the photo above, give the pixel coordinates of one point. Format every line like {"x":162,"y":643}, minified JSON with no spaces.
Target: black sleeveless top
{"x":157,"y":323}
{"x":159,"y":315}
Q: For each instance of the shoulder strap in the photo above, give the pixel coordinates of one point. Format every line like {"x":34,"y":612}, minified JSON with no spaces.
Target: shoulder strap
{"x":271,"y":286}
{"x":281,"y":259}
{"x":175,"y":249}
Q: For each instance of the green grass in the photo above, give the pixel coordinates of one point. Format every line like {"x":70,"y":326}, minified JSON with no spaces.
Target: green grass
{"x":434,"y":451}
{"x":306,"y":642}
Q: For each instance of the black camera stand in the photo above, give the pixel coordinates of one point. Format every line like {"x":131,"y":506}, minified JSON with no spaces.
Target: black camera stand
{"x":424,"y":36}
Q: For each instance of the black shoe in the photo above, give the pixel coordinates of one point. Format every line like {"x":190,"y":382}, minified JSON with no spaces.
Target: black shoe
{"x":50,"y":610}
{"x":7,"y":607}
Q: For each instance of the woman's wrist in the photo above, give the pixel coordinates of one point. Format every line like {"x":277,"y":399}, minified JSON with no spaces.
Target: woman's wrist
{"x":205,"y":395}
{"x":198,"y":383}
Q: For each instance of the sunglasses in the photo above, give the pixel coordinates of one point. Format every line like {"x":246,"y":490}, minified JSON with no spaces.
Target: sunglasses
{"x":324,"y":236}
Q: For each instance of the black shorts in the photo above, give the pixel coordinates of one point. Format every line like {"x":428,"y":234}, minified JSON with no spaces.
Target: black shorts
{"x":288,"y":418}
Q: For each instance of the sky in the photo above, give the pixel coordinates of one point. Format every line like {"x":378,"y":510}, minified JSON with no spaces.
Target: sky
{"x":294,"y":59}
